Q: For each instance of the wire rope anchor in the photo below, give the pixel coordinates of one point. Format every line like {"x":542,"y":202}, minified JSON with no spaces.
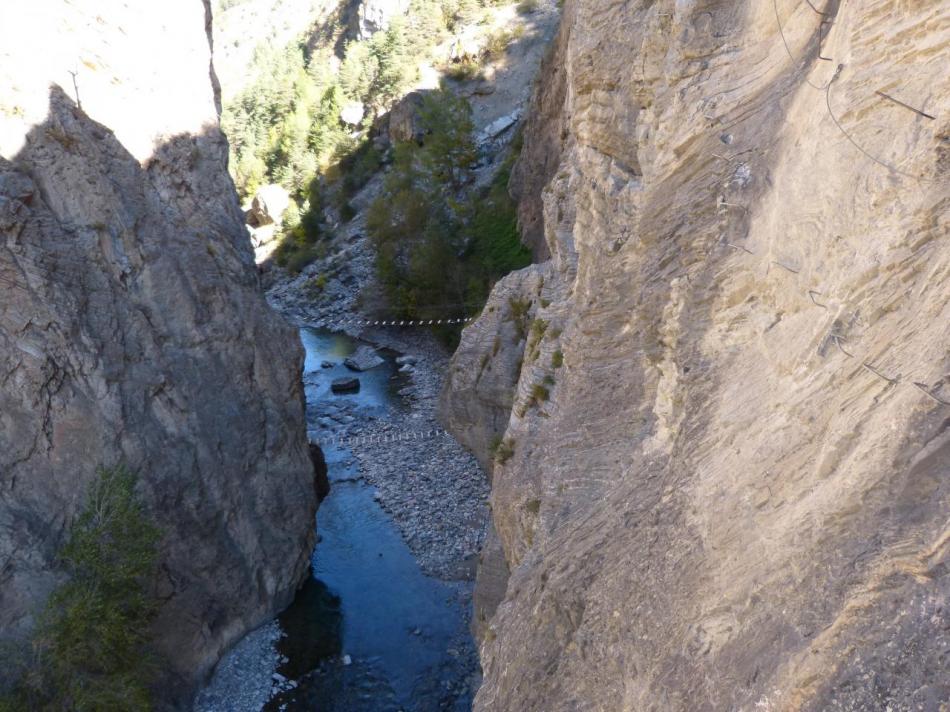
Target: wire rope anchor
{"x":927,"y":392}
{"x":811,"y":295}
{"x":877,"y":373}
{"x":821,"y":37}
{"x":906,"y":106}
{"x":739,"y":247}
{"x":838,"y":338}
{"x":734,"y":205}
{"x":785,"y":267}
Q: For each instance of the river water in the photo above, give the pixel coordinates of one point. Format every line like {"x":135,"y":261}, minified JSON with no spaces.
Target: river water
{"x":369,"y":632}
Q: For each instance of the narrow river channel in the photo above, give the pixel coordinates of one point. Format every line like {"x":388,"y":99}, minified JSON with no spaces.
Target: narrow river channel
{"x":369,"y":632}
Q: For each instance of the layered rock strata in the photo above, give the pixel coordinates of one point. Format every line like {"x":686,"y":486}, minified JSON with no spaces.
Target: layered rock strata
{"x":724,"y":479}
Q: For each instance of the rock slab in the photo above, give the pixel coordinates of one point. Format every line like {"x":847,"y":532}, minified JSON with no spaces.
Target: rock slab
{"x":364,"y":359}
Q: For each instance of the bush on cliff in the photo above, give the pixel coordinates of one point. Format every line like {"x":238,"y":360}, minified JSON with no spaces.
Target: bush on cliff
{"x":91,"y":647}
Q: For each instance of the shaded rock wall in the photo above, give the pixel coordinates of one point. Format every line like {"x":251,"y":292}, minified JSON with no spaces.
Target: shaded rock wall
{"x":133,"y":328}
{"x":544,"y":134}
{"x":734,"y":495}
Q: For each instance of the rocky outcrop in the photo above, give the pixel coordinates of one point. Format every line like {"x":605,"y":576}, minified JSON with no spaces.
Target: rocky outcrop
{"x":133,"y":329}
{"x":723,"y":481}
{"x":263,"y":218}
{"x":479,"y":391}
{"x":405,"y":120}
{"x":267,"y":205}
{"x":375,"y":16}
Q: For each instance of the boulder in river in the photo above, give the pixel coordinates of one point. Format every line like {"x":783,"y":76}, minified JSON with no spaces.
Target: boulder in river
{"x":345,"y":385}
{"x":363,"y":359}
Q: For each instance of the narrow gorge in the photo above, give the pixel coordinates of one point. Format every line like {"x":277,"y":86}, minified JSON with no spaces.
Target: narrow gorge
{"x":450,"y":355}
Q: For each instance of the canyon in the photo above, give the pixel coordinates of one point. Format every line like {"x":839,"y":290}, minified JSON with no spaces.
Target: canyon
{"x":713,"y":413}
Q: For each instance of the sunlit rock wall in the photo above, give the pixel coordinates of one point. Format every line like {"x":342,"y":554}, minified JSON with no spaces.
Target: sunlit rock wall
{"x":733,"y":491}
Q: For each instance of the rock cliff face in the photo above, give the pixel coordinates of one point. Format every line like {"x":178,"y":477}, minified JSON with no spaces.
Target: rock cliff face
{"x":133,"y":328}
{"x":375,"y":15}
{"x":725,"y":478}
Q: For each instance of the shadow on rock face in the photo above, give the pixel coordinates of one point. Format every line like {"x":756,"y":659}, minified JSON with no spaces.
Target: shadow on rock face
{"x":321,"y":482}
{"x":133,"y":330}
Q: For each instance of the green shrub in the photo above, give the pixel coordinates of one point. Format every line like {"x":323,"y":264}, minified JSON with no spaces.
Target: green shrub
{"x":538,"y":327}
{"x":316,"y":285}
{"x":518,"y":313}
{"x":358,"y":70}
{"x":504,"y":451}
{"x":347,"y":211}
{"x":557,"y":359}
{"x":495,"y":444}
{"x":493,"y":232}
{"x":91,"y":645}
{"x":464,"y":71}
{"x":497,"y":43}
{"x":416,"y":222}
{"x":293,"y":256}
{"x":536,"y":334}
{"x":358,"y":167}
{"x":526,"y":7}
{"x":539,"y":393}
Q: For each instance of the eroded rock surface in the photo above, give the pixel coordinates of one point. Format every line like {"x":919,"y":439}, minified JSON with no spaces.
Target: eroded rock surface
{"x":375,"y":15}
{"x":480,"y":386}
{"x":133,"y":328}
{"x":720,"y":487}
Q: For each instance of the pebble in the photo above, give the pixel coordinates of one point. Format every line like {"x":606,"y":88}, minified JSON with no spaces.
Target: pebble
{"x":243,"y":680}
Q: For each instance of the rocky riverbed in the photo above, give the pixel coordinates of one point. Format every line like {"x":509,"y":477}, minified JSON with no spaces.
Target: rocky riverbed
{"x":432,"y":487}
{"x":432,"y":493}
